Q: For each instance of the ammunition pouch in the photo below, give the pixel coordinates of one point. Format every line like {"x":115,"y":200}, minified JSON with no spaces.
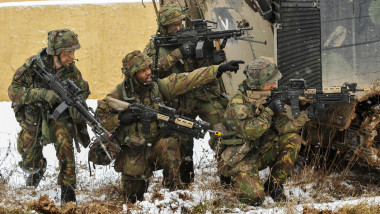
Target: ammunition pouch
{"x":19,"y":111}
{"x":135,"y":161}
{"x":29,"y":116}
{"x":98,"y":156}
{"x":48,"y":130}
{"x":132,"y":160}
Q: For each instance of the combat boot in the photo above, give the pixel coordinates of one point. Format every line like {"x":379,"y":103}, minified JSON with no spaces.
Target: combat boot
{"x":187,"y":173}
{"x":225,"y":181}
{"x":34,"y":178}
{"x":276,"y":190}
{"x":67,"y":194}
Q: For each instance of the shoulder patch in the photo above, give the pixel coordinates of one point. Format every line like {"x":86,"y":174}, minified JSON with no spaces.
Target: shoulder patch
{"x":241,"y":111}
{"x":237,"y":99}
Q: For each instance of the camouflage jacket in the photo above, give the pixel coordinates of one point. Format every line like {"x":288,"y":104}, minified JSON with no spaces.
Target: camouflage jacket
{"x":26,"y":83}
{"x":251,"y":120}
{"x":170,"y":61}
{"x":158,"y":92}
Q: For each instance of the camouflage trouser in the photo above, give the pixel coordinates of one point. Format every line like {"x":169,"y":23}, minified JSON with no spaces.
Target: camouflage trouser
{"x":280,"y":156}
{"x":165,"y":154}
{"x":65,"y":153}
{"x":134,"y":190}
{"x":30,"y":149}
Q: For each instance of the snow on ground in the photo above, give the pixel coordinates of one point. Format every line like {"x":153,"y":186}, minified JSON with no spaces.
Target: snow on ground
{"x":65,"y":2}
{"x":170,"y":202}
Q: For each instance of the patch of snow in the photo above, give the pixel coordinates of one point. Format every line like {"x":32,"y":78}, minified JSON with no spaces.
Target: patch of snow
{"x":171,"y":202}
{"x":65,"y":2}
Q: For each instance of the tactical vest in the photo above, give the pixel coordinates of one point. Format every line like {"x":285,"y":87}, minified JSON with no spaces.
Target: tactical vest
{"x":42,"y":111}
{"x":133,"y":133}
{"x":256,"y":100}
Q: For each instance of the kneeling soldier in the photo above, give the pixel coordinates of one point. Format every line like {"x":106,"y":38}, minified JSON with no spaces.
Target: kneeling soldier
{"x":141,"y":152}
{"x":259,"y":134}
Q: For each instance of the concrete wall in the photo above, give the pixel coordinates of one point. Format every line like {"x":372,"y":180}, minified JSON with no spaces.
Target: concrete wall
{"x":106,"y":32}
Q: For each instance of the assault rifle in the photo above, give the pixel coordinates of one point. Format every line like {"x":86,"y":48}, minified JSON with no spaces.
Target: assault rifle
{"x":164,"y":114}
{"x":203,"y":36}
{"x":322,"y":97}
{"x":71,"y":96}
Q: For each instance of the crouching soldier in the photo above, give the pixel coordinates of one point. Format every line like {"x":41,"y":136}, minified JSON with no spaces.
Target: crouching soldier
{"x":141,"y":152}
{"x":259,"y":134}
{"x":33,"y":102}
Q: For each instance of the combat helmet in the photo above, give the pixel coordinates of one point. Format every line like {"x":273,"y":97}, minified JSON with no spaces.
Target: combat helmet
{"x":134,"y":62}
{"x":170,"y":14}
{"x":260,"y":72}
{"x":62,"y":40}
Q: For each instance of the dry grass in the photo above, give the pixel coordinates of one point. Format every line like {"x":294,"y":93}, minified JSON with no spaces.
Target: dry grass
{"x":360,"y":208}
{"x":325,"y":177}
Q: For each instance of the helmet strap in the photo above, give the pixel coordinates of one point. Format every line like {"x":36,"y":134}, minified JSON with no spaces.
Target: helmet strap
{"x":60,"y":62}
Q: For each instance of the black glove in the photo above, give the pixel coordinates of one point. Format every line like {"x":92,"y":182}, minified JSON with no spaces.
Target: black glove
{"x":276,"y":105}
{"x":232,"y":65}
{"x":218,"y":57}
{"x":127,"y":118}
{"x":187,"y":49}
{"x":312,"y":112}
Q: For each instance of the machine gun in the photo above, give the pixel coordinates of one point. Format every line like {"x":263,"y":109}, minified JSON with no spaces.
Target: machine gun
{"x":322,"y":97}
{"x":203,"y":36}
{"x":71,"y":96}
{"x":164,"y":114}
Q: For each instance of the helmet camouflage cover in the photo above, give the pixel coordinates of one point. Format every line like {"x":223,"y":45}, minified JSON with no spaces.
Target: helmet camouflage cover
{"x":170,"y":14}
{"x":134,"y":62}
{"x":62,"y":40}
{"x":260,"y":72}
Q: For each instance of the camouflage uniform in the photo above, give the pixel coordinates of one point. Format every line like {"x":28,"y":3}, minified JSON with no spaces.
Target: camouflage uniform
{"x":32,"y":112}
{"x":142,"y":153}
{"x":205,"y":102}
{"x":256,"y":137}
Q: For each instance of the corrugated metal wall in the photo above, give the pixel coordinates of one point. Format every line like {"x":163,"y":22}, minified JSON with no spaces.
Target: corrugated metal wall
{"x":299,"y":42}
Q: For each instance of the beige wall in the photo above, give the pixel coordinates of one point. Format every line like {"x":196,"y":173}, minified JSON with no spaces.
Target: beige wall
{"x":106,"y":33}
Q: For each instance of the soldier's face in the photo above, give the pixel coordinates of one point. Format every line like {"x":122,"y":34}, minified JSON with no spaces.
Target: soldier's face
{"x":144,"y":76}
{"x":174,"y":28}
{"x":269,"y":86}
{"x":67,"y":57}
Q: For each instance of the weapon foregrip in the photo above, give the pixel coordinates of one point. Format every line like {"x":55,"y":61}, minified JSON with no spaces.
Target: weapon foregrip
{"x":146,"y":124}
{"x":294,"y":103}
{"x":185,"y":123}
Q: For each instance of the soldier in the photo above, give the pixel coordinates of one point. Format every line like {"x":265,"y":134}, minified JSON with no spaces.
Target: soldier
{"x":259,"y":134}
{"x":206,"y":101}
{"x":33,"y":102}
{"x":142,"y":153}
